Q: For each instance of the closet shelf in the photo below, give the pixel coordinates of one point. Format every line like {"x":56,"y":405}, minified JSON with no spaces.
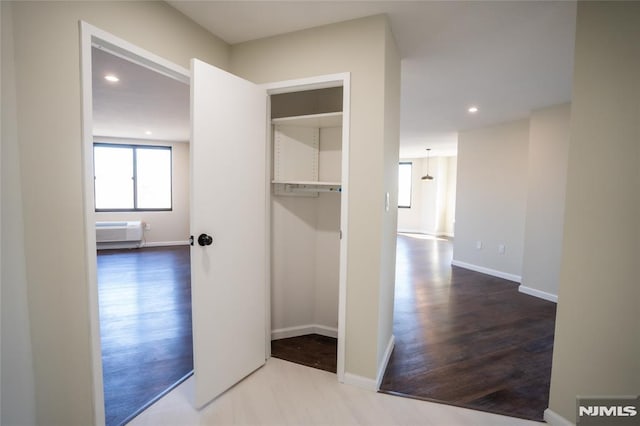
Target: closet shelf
{"x":309,"y":186}
{"x":330,"y":119}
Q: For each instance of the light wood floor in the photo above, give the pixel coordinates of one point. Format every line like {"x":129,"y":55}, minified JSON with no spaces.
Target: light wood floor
{"x":284,"y":393}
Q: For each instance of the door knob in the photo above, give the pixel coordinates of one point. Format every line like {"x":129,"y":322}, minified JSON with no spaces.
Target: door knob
{"x":205,"y":240}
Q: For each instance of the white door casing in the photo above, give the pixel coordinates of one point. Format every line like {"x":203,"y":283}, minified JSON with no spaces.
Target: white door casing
{"x":228,"y":202}
{"x":232,"y":176}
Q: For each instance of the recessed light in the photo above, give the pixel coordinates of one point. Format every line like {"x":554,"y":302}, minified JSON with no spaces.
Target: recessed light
{"x":473,"y":109}
{"x":112,"y":78}
{"x":148,"y":132}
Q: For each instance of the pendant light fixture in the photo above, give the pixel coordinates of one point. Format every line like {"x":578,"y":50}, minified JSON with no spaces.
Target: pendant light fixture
{"x":427,"y":176}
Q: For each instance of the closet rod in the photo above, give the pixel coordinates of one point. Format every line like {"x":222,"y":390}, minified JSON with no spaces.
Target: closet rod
{"x":295,"y":188}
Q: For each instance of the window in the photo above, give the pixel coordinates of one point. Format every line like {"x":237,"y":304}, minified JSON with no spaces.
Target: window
{"x":404,"y":185}
{"x":132,"y":177}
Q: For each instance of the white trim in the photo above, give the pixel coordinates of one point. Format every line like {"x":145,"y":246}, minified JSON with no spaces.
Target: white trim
{"x":321,"y":82}
{"x":301,"y":330}
{"x":134,"y":141}
{"x":164,"y":243}
{"x":86,"y":34}
{"x":267,"y":227}
{"x":361,"y":382}
{"x":413,"y":231}
{"x":423,"y":232}
{"x":92,"y":36}
{"x":385,"y":360}
{"x":325,"y":331}
{"x":555,"y":419}
{"x":116,"y":46}
{"x":344,"y":222}
{"x":488,"y":271}
{"x":310,"y":83}
{"x":538,"y":293}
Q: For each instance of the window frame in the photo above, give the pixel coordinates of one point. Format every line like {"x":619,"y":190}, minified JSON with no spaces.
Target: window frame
{"x":410,"y":163}
{"x":134,"y":148}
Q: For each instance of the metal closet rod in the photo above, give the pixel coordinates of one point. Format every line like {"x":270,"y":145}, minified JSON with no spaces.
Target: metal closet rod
{"x":305,"y":188}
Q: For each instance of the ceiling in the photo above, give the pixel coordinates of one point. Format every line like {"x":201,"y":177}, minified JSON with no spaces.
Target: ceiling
{"x":142,"y":101}
{"x":506,"y":57}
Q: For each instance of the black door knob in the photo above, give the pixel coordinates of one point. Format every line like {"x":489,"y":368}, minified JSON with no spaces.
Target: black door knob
{"x":205,"y":240}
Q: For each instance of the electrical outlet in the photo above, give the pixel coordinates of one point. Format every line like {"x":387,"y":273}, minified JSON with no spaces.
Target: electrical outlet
{"x":501,"y":249}
{"x":147,"y":227}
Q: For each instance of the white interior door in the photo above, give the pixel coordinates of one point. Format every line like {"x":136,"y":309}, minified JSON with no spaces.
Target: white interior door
{"x":228,"y":203}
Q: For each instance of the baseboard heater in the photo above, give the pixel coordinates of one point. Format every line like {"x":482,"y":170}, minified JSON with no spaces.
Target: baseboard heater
{"x":118,"y":235}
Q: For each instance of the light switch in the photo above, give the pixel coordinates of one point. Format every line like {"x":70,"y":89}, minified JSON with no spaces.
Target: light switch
{"x":501,"y":249}
{"x":386,"y":201}
{"x":478,"y":244}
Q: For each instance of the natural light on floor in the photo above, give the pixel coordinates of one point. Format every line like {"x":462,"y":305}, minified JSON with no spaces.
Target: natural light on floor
{"x":422,"y":236}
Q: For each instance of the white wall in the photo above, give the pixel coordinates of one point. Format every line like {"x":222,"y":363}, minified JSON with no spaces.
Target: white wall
{"x":167,"y":227}
{"x":387,"y":247}
{"x":491,"y":198}
{"x":327,"y":267}
{"x":450,"y":217}
{"x":547,"y":176}
{"x":17,"y":386}
{"x":359,"y":47}
{"x":47,"y":61}
{"x":597,"y":343}
{"x":432,"y":208}
{"x":305,"y":260}
{"x":293,"y":228}
{"x":422,"y":210}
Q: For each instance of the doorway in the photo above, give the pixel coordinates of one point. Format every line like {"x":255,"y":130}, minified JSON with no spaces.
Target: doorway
{"x":204,"y":101}
{"x":136,"y":151}
{"x":306,"y":178}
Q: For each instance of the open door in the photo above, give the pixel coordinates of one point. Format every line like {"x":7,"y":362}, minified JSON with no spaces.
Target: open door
{"x":228,"y":225}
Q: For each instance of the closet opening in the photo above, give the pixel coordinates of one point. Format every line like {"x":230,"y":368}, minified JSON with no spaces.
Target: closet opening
{"x":306,"y":201}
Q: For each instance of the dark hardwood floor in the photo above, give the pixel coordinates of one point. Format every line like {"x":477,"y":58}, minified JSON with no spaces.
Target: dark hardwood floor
{"x":312,"y":350}
{"x":145,"y":324}
{"x":465,"y":338}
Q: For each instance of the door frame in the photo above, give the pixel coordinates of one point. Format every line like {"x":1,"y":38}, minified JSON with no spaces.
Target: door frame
{"x":312,"y":83}
{"x":91,"y":36}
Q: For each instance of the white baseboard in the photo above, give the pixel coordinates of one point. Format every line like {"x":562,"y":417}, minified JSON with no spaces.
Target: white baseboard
{"x":555,"y":419}
{"x":164,"y":243}
{"x":118,"y":245}
{"x":423,"y":232}
{"x":411,"y":231}
{"x":538,"y":293}
{"x":284,"y":333}
{"x":488,"y":271}
{"x":361,"y":382}
{"x":385,"y":361}
{"x":365,"y":382}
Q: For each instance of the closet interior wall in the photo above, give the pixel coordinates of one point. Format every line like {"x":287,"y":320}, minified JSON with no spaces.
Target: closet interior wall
{"x":305,"y":225}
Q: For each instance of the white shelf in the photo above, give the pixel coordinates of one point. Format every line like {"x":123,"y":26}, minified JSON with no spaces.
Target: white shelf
{"x":306,"y":182}
{"x":314,"y":187}
{"x":330,"y":119}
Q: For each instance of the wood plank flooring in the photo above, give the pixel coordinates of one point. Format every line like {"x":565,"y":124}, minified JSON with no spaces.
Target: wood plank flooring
{"x":312,"y":350}
{"x":466,"y":338}
{"x":145,"y":325}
